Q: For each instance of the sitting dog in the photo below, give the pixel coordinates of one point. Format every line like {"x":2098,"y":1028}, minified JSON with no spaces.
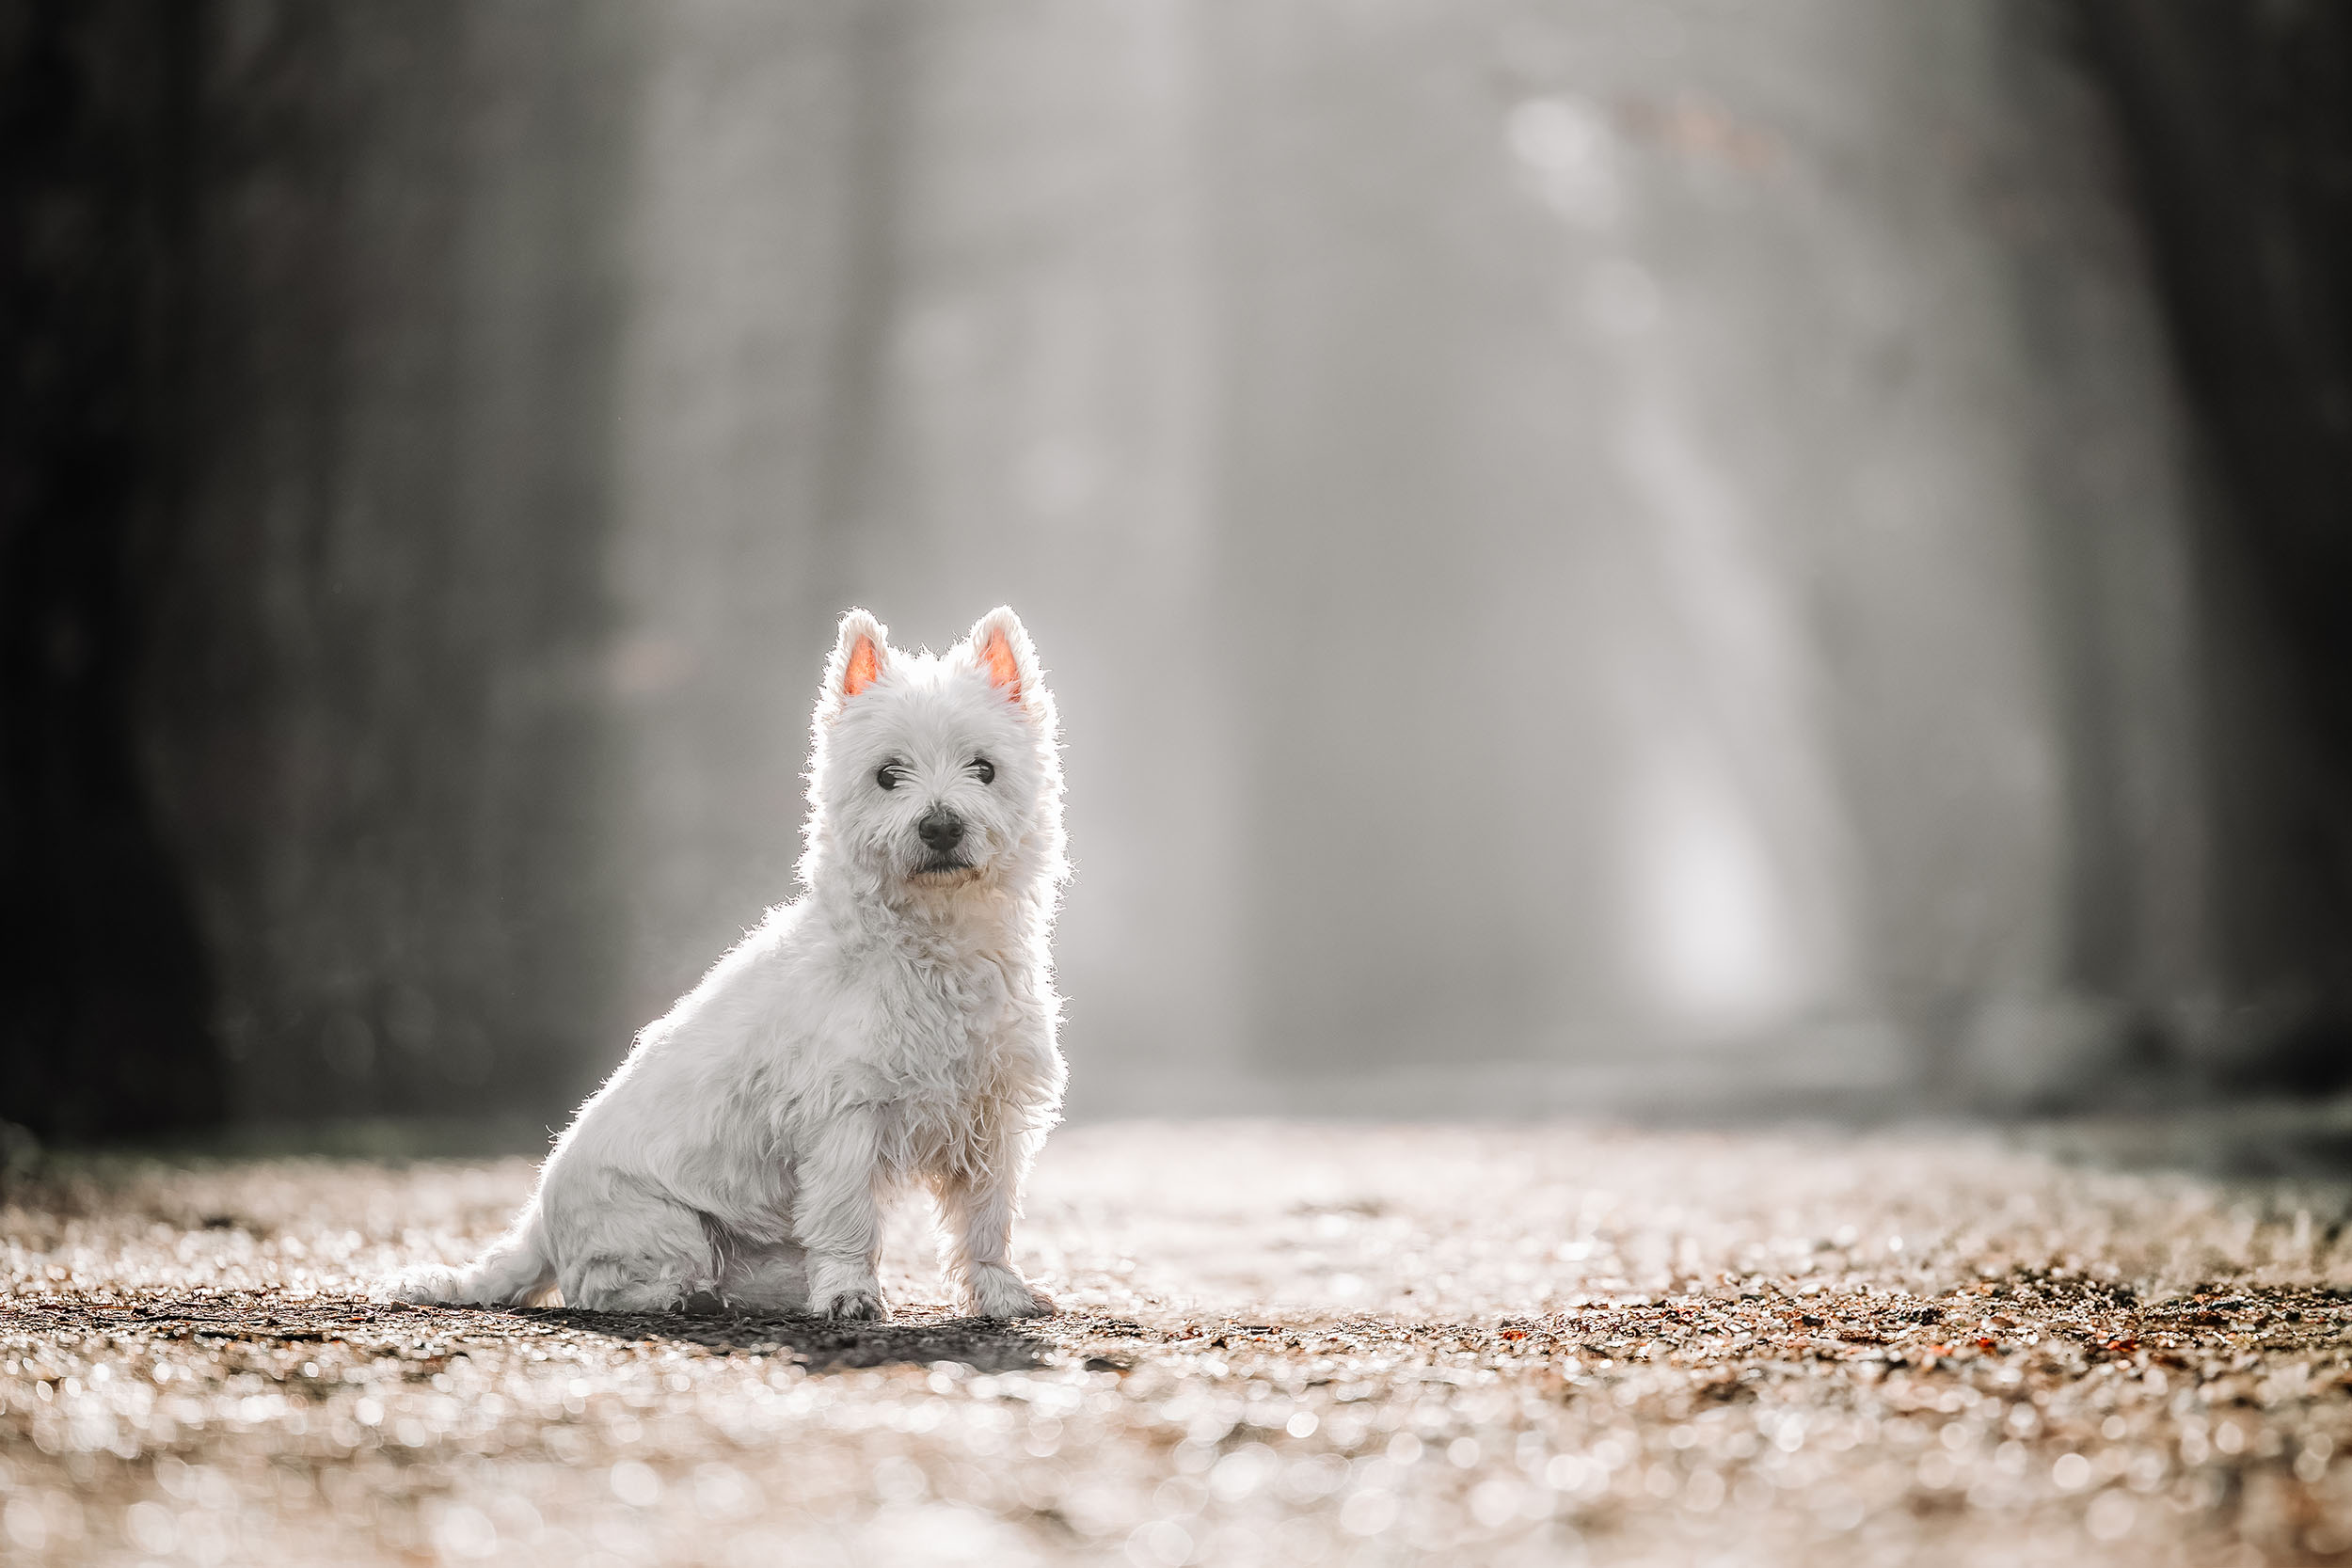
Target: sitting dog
{"x":893,"y":1026}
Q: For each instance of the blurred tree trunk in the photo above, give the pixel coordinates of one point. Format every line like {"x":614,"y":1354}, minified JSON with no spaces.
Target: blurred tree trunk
{"x":375,"y":707}
{"x":2239,"y":122}
{"x":106,"y":1003}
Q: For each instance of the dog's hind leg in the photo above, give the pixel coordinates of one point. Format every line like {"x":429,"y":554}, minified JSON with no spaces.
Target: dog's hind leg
{"x":641,"y":1253}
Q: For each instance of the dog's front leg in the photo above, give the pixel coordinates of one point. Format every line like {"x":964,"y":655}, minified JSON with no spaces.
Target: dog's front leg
{"x":978,"y":1208}
{"x":838,"y":1216}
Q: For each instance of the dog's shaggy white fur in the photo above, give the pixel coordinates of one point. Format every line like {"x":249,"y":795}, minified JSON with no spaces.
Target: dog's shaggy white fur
{"x":893,"y":1026}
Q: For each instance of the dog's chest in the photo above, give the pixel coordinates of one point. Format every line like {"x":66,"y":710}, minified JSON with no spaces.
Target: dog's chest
{"x":942,"y":1059}
{"x":941,"y":1015}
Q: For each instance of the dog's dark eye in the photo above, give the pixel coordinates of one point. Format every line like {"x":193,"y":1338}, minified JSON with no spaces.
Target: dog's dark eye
{"x":887,"y":775}
{"x":985,"y":768}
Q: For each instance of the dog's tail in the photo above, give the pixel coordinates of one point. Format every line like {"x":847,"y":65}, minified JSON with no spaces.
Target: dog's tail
{"x":512,"y":1272}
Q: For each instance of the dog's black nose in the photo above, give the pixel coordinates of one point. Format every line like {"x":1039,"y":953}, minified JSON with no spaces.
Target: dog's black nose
{"x":942,"y":830}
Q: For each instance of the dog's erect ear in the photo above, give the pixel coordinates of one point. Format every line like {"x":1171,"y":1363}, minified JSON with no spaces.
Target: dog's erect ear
{"x":860,"y":655}
{"x":1002,"y":652}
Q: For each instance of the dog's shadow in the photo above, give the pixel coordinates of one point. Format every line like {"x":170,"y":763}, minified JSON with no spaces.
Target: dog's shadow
{"x":983,"y":1344}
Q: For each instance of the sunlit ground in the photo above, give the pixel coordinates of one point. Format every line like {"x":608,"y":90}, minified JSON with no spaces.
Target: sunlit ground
{"x":1281,"y":1344}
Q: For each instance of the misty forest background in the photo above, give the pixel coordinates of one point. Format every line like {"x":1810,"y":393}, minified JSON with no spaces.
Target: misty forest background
{"x":1593,"y":552}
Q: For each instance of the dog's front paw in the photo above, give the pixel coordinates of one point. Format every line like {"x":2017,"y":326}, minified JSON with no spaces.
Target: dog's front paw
{"x":856,"y":1306}
{"x":1002,"y":1294}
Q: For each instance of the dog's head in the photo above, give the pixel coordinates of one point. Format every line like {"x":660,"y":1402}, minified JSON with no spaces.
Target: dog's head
{"x":935,"y":772}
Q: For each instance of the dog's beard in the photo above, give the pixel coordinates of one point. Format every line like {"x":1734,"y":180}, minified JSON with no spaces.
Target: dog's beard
{"x":955,"y":868}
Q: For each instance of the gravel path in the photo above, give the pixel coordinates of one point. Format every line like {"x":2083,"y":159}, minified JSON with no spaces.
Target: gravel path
{"x":1281,"y":1344}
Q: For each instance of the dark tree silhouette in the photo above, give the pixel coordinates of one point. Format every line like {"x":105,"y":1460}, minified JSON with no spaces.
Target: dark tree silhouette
{"x":105,"y":1025}
{"x":2237,"y":118}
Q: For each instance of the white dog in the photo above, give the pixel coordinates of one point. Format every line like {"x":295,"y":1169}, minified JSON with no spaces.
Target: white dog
{"x":893,"y":1026}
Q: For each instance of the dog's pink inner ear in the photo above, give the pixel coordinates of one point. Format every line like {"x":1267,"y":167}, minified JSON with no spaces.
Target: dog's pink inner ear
{"x":1004,"y":671}
{"x":864,"y":667}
